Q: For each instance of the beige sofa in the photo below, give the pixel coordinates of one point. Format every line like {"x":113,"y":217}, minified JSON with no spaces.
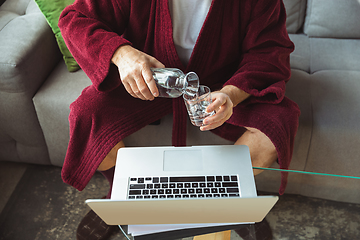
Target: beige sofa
{"x":36,"y":90}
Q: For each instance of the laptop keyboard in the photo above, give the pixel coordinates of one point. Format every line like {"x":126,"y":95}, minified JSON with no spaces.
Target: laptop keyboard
{"x":183,"y":187}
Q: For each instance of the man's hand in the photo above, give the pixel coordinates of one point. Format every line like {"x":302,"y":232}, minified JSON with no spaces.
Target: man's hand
{"x":135,"y":74}
{"x":223,"y":102}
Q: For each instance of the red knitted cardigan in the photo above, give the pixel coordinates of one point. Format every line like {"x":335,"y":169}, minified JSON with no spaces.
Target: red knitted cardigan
{"x":242,"y":43}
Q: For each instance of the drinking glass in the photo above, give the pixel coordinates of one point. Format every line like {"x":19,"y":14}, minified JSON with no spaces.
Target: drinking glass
{"x":196,"y":105}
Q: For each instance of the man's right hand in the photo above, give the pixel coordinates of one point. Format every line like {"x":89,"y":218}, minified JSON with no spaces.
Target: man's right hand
{"x":135,"y":74}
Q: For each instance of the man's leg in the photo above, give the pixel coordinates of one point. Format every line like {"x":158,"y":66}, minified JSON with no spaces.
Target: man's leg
{"x":107,"y":166}
{"x":110,"y":159}
{"x":263,"y":154}
{"x":262,"y":150}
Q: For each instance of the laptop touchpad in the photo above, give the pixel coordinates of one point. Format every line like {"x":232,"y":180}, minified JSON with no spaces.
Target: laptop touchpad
{"x":183,"y":160}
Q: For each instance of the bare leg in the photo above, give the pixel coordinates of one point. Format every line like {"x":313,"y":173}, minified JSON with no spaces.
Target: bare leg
{"x":110,"y":159}
{"x":262,"y":150}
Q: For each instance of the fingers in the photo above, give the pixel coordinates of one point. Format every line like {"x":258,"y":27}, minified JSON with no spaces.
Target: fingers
{"x":135,"y":74}
{"x":223,"y":106}
{"x":150,"y":82}
{"x":136,"y":86}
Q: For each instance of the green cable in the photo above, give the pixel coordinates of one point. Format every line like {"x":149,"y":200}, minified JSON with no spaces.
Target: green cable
{"x":304,"y":172}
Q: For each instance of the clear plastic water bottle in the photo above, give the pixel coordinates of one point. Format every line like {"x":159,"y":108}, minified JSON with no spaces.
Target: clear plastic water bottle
{"x":172,"y":82}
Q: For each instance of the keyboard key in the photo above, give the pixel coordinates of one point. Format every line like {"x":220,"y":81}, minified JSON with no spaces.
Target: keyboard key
{"x":140,"y":180}
{"x":170,"y":196}
{"x":191,"y":190}
{"x":147,"y":197}
{"x":145,"y":192}
{"x":210,"y":185}
{"x":149,"y":186}
{"x":234,"y":178}
{"x":195,"y":185}
{"x":155,"y":180}
{"x":177,"y":196}
{"x":176,"y":191}
{"x":157,"y":185}
{"x":139,"y":197}
{"x":164,"y":185}
{"x":187,"y":185}
{"x":185,"y":196}
{"x":164,"y":179}
{"x":210,"y":178}
{"x":188,"y":179}
{"x":161,"y":191}
{"x":209,"y":195}
{"x":193,"y":196}
{"x":219,"y":178}
{"x":154,"y":196}
{"x":162,"y":196}
{"x":230,"y":184}
{"x":214,"y":190}
{"x":232,"y":190}
{"x":172,"y":185}
{"x":217,"y":184}
{"x":234,"y":195}
{"x":221,"y":190}
{"x":137,"y":186}
{"x":216,"y":195}
{"x":201,"y":195}
{"x":202,"y":185}
{"x":224,"y":195}
{"x":131,"y":197}
{"x":199,"y":190}
{"x":180,"y":185}
{"x":168,"y":191}
{"x":153,"y":191}
{"x":135,"y":192}
{"x":148,"y":179}
{"x":226,"y":178}
{"x":183,"y":191}
{"x":207,"y":190}
{"x":133,"y":179}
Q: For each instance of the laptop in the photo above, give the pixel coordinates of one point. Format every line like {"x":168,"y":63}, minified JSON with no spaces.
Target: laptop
{"x":183,"y":185}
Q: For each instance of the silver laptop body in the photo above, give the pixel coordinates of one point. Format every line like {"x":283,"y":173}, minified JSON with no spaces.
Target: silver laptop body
{"x":175,"y":185}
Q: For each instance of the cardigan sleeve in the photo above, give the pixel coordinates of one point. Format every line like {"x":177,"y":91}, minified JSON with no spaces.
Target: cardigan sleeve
{"x":265,"y":60}
{"x":92,"y":31}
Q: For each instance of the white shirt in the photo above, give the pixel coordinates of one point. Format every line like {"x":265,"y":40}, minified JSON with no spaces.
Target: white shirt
{"x":187,"y":17}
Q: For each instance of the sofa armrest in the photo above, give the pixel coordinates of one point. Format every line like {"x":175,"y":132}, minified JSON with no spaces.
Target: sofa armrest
{"x":28,"y":53}
{"x":28,"y":50}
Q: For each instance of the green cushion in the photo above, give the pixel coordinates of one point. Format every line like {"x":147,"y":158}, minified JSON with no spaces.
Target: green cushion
{"x":52,"y":10}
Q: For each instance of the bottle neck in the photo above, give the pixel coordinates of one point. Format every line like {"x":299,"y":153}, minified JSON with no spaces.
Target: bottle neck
{"x":192,"y":83}
{"x":181,"y":82}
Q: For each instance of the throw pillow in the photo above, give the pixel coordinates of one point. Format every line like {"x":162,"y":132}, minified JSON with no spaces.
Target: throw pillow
{"x":52,"y":10}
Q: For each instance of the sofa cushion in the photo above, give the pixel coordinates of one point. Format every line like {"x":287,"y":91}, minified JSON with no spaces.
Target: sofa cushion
{"x":333,"y":18}
{"x":16,"y":6}
{"x":300,"y":57}
{"x":295,"y":11}
{"x":335,"y":136}
{"x":52,"y":10}
{"x":52,"y":103}
{"x":334,"y":54}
